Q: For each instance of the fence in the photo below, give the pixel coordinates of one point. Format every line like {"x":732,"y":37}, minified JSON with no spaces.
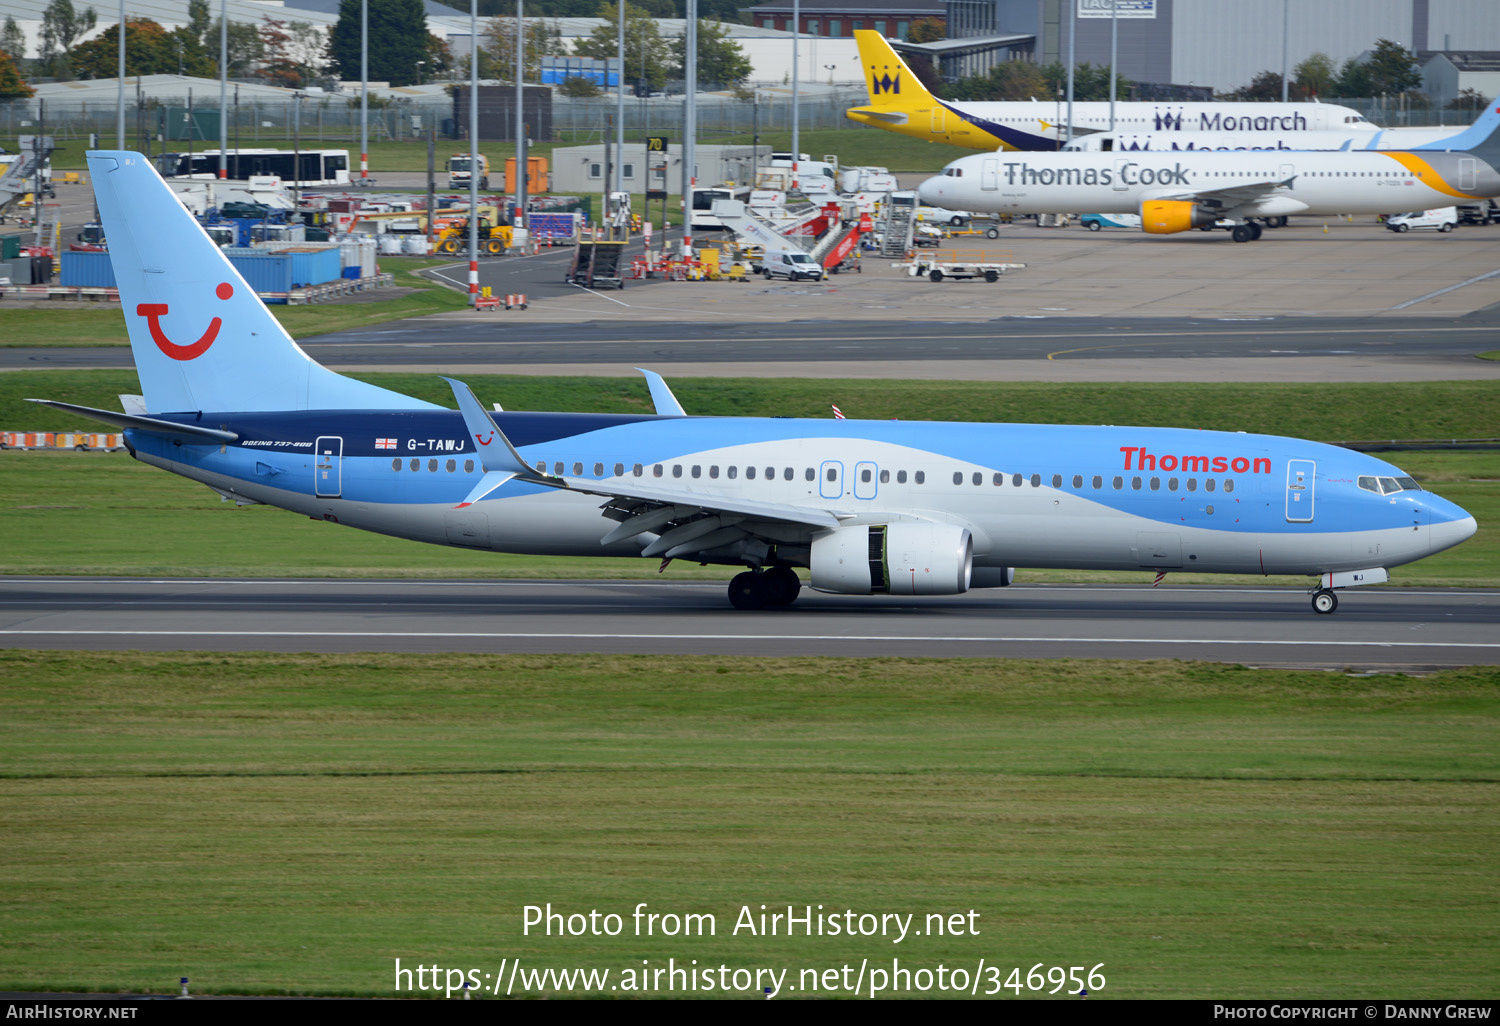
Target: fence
{"x":330,"y":121}
{"x":574,"y":119}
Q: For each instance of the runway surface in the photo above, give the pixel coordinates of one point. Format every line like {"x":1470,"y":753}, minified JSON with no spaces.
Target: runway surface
{"x":1374,"y":629}
{"x":1057,"y":346}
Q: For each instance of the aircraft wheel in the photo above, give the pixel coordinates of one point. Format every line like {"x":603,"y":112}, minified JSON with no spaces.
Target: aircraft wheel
{"x":748,"y":591}
{"x":1324,"y":601}
{"x":1093,"y":226}
{"x":992,"y":276}
{"x":1242,"y":233}
{"x":1255,"y":230}
{"x":782,"y":585}
{"x":993,"y":233}
{"x":1446,"y":228}
{"x":935,"y":275}
{"x":1275,"y":222}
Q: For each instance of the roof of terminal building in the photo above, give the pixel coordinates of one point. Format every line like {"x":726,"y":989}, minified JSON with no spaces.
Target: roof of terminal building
{"x":1465,"y":60}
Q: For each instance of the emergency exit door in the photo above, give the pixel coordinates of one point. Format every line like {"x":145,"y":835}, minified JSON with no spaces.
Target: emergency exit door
{"x":328,"y":467}
{"x":1299,"y":490}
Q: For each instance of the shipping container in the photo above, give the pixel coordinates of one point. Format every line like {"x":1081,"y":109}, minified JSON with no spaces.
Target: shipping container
{"x":10,"y":247}
{"x":264,"y":272}
{"x":87,"y":270}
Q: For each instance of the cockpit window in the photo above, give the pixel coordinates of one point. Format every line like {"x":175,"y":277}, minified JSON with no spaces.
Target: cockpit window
{"x":1387,"y":485}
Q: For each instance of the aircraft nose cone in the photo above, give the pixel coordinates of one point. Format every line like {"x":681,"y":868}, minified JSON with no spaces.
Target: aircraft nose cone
{"x":1448,"y":533}
{"x":931,"y":191}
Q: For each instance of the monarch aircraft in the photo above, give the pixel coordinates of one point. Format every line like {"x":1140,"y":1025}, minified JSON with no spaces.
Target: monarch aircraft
{"x":1174,"y":192}
{"x":900,"y":103}
{"x":865,"y":507}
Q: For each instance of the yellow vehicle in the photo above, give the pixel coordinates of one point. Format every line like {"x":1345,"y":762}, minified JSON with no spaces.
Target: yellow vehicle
{"x":460,"y":173}
{"x":452,"y":236}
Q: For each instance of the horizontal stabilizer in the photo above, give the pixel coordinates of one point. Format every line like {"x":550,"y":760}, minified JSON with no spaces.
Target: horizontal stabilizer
{"x":189,"y":434}
{"x":890,"y":117}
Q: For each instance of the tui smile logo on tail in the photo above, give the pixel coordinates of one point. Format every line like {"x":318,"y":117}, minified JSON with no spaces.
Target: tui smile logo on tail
{"x":485,"y":441}
{"x":153,"y":312}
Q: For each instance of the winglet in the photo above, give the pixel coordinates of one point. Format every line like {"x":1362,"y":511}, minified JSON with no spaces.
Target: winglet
{"x":498,"y":459}
{"x":661,"y":395}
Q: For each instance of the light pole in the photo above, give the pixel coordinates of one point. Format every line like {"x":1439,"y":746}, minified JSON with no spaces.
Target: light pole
{"x":364,"y":92}
{"x":120,"y":103}
{"x":420,"y":65}
{"x":223,"y":89}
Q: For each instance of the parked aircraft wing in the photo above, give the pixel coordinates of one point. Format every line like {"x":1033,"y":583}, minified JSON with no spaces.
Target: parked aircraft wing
{"x":1232,"y":195}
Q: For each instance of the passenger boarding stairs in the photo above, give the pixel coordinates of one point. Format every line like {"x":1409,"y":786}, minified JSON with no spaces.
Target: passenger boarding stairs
{"x":834,"y":246}
{"x":20,"y":174}
{"x":751,"y":228}
{"x":900,"y":221}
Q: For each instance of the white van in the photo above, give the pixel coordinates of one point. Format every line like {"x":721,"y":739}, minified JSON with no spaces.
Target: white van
{"x":791,"y":266}
{"x":1443,"y":220}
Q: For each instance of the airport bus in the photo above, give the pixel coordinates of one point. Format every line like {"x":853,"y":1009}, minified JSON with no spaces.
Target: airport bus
{"x":704,"y":200}
{"x":302,"y":168}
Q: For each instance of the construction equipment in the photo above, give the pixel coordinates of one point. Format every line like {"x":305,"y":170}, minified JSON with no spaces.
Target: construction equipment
{"x":453,"y":236}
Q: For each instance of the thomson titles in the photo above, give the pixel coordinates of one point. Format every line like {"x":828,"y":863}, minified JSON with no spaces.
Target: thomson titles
{"x":750,"y":921}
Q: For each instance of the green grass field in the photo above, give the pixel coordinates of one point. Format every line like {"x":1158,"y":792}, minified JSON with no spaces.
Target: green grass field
{"x":270,"y":823}
{"x":103,"y":325}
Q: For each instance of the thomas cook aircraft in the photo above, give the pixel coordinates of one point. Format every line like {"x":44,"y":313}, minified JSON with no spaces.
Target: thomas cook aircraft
{"x":864,"y":507}
{"x":900,"y":103}
{"x":1174,"y":192}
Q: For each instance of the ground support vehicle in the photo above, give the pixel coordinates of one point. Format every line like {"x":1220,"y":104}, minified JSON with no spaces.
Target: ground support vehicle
{"x":934,"y":269}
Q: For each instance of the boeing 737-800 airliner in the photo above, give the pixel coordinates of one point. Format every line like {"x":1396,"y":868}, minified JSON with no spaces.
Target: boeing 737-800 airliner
{"x":1174,"y":192}
{"x":900,"y":103}
{"x":865,"y":507}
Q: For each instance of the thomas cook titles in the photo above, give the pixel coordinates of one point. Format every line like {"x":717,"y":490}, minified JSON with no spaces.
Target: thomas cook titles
{"x":1019,"y":172}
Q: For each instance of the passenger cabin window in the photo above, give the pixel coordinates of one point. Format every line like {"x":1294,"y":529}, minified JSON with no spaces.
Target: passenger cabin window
{"x":920,"y":477}
{"x":901,"y":477}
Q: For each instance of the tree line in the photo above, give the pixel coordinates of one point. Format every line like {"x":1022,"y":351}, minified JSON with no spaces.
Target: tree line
{"x":401,"y":51}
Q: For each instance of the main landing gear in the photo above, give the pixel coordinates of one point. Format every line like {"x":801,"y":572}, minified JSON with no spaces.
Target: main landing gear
{"x":757,"y":589}
{"x":1247,"y":232}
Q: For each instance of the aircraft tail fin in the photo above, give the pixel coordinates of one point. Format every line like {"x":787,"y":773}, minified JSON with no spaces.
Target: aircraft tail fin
{"x":888,"y":80}
{"x":201,"y":337}
{"x":1482,"y":138}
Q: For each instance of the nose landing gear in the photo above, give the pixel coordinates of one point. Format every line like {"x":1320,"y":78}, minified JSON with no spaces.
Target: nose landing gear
{"x":1324,"y":600}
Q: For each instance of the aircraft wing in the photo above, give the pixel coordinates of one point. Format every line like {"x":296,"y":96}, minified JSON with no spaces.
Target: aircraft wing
{"x":687,"y":521}
{"x":1230,"y":196}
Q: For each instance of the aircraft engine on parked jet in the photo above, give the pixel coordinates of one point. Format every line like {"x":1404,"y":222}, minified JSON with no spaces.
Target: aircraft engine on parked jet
{"x":1166,"y":217}
{"x":899,"y":559}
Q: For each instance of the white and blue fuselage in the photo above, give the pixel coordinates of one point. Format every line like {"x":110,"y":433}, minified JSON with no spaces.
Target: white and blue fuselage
{"x":865,"y":507}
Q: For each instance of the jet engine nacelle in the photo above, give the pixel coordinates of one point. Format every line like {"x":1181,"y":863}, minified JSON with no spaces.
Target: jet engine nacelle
{"x":899,"y":559}
{"x":1167,"y":217}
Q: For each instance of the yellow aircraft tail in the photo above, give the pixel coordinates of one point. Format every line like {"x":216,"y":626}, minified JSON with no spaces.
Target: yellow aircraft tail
{"x":899,"y":102}
{"x":895,"y":93}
